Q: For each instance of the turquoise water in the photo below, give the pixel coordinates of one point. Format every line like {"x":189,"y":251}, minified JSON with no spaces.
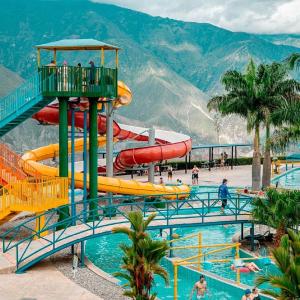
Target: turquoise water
{"x":104,"y":252}
{"x":289,"y":180}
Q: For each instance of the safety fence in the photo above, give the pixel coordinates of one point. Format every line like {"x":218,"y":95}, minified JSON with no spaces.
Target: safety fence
{"x":200,"y":209}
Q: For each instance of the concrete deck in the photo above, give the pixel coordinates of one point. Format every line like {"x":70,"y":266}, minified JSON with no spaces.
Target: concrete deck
{"x":240,"y":176}
{"x":44,"y":282}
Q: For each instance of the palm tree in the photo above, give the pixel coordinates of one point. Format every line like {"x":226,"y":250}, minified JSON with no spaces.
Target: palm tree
{"x":293,"y":60}
{"x":141,"y":258}
{"x":277,"y":93}
{"x":278,"y":210}
{"x":287,"y":259}
{"x":242,"y":98}
{"x":288,"y":116}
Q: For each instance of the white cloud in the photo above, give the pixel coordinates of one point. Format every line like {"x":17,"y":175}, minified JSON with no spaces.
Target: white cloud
{"x":261,"y":16}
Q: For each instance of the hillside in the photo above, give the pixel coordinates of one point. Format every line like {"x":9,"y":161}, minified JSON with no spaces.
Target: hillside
{"x":172,"y":67}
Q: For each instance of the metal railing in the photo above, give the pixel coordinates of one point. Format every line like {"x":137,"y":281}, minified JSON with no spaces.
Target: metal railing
{"x":21,"y":96}
{"x":69,"y":81}
{"x":201,"y":209}
{"x":34,"y":195}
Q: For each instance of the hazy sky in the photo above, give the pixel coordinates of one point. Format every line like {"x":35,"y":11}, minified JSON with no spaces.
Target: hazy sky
{"x":263,"y":16}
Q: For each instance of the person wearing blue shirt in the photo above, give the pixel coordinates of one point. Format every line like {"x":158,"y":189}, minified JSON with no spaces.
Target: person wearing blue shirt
{"x":223,"y":194}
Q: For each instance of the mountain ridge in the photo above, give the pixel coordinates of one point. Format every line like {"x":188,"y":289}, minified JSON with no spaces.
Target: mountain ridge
{"x":172,"y":67}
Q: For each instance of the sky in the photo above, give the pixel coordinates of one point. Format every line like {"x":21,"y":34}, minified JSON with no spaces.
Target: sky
{"x":257,"y":16}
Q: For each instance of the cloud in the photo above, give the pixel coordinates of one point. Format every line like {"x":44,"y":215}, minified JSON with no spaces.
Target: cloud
{"x":259,"y":16}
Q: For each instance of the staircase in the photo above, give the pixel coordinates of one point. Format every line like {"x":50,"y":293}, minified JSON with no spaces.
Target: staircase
{"x":21,"y":104}
{"x":20,"y":192}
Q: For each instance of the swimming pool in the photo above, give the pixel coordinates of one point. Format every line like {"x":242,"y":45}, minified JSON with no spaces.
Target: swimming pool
{"x":104,"y":252}
{"x":289,"y":179}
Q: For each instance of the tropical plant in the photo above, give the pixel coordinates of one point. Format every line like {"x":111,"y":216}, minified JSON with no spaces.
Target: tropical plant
{"x":288,"y":116}
{"x":263,"y":95}
{"x":242,"y":98}
{"x":278,"y":94}
{"x":293,"y":60}
{"x":287,"y":259}
{"x":141,"y":260}
{"x":278,"y":209}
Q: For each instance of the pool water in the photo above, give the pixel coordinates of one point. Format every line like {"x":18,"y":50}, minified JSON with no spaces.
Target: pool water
{"x":104,"y":252}
{"x":289,"y":180}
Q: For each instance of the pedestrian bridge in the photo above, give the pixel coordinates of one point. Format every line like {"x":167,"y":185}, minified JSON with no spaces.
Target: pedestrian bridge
{"x":23,"y":246}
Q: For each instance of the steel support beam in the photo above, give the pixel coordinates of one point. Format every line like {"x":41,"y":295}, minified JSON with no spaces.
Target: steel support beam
{"x":63,"y":151}
{"x":151,"y":141}
{"x":93,"y":159}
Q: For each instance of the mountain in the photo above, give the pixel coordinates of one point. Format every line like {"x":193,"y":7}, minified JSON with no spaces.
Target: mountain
{"x":9,"y":80}
{"x":172,"y":67}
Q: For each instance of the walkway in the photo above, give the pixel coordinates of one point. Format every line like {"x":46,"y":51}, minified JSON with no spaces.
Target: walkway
{"x":240,"y":176}
{"x":57,"y":286}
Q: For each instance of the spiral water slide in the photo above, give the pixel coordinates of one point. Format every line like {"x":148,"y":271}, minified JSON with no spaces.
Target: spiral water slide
{"x":168,"y":145}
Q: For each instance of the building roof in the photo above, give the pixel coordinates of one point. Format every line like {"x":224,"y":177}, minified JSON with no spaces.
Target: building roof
{"x":77,"y":44}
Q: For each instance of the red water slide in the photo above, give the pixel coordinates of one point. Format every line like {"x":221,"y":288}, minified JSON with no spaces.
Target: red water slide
{"x":168,"y":144}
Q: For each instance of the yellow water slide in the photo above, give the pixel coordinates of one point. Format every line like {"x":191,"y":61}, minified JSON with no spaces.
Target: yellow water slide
{"x":33,"y":158}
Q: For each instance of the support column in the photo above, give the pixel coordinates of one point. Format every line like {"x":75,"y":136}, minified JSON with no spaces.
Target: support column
{"x":82,"y":254}
{"x":151,"y":165}
{"x":242,"y":231}
{"x":63,"y":151}
{"x":93,"y":159}
{"x":231,"y":157}
{"x":109,"y":139}
{"x":185,"y":171}
{"x":171,"y":244}
{"x":73,"y":206}
{"x":85,"y":165}
{"x":252,"y":236}
{"x":109,"y":149}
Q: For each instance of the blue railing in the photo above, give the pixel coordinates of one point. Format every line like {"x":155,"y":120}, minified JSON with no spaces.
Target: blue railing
{"x":201,"y":209}
{"x":21,"y":96}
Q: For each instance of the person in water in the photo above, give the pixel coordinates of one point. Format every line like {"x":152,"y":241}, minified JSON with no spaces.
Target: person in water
{"x":247,"y":295}
{"x":252,"y":267}
{"x":200,"y":287}
{"x":255,"y":294}
{"x":223,"y":194}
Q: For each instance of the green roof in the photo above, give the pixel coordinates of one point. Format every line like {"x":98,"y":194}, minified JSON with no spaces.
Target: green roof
{"x":77,"y":44}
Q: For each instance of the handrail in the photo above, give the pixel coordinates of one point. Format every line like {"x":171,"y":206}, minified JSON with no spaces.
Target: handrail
{"x":99,"y":82}
{"x":185,"y":209}
{"x":19,"y":97}
{"x":35,"y":195}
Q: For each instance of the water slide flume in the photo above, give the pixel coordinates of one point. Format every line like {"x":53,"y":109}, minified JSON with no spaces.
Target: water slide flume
{"x":168,"y":145}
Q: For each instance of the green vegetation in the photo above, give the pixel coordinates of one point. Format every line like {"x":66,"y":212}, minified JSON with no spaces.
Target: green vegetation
{"x":279,"y":209}
{"x":288,"y":115}
{"x":262,"y":95}
{"x":287,"y":259}
{"x":141,"y":259}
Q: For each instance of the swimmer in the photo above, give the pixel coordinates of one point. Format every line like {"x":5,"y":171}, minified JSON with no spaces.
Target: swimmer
{"x":247,"y":295}
{"x":200,"y":287}
{"x":252,"y":267}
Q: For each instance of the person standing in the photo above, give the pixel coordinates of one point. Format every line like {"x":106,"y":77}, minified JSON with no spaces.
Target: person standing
{"x":170,"y":173}
{"x":222,"y":160}
{"x":226,"y":159}
{"x":195,"y":175}
{"x":223,"y":194}
{"x":92,"y":74}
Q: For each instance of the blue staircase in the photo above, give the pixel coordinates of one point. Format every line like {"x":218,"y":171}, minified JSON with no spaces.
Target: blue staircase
{"x":21,"y":104}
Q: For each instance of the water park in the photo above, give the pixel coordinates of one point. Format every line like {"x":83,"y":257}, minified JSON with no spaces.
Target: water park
{"x":90,"y":212}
